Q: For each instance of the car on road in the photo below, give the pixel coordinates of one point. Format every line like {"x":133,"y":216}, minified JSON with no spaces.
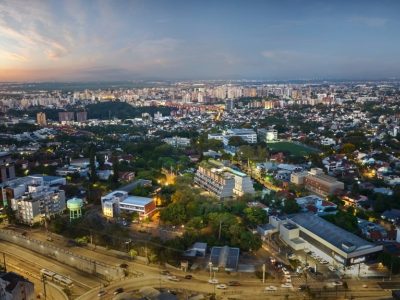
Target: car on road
{"x":337,"y":283}
{"x":118,"y":291}
{"x":332,"y":268}
{"x":221,"y":286}
{"x":101,"y":293}
{"x":173,"y":278}
{"x":271,"y":288}
{"x":365,"y":286}
{"x":303,"y":287}
{"x":287,"y":285}
{"x":234,"y":283}
{"x":188,"y":276}
{"x":213,"y":281}
{"x":165,"y":272}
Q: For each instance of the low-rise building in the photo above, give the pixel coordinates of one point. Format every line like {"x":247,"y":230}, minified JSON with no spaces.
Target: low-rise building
{"x":307,"y":231}
{"x":317,"y":182}
{"x":224,"y":182}
{"x":224,"y":258}
{"x":15,"y":287}
{"x":316,"y":204}
{"x":177,"y":141}
{"x":119,"y":201}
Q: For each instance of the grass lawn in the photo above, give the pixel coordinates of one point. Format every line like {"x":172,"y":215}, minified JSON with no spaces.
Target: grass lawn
{"x":294,"y":149}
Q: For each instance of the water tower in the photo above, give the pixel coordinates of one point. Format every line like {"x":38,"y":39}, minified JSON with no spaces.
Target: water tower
{"x":75,"y":208}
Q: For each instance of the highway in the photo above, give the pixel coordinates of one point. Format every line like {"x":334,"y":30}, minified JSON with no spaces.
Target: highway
{"x":29,"y":264}
{"x":149,"y":275}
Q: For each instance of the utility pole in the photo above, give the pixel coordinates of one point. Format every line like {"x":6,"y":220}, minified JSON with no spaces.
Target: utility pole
{"x":220,"y":228}
{"x":263,"y":268}
{"x":4,"y":262}
{"x":44,"y":286}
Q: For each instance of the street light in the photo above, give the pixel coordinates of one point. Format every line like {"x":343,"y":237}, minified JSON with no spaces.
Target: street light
{"x":210,"y":264}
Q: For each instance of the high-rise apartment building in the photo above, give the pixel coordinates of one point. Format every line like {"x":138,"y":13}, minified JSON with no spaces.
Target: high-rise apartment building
{"x":41,"y":119}
{"x":81,"y":116}
{"x":66,"y":116}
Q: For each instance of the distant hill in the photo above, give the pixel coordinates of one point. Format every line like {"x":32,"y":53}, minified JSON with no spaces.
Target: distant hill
{"x":121,"y":110}
{"x":101,"y":110}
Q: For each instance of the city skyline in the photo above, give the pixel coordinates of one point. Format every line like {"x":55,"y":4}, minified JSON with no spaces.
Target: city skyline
{"x":131,"y":40}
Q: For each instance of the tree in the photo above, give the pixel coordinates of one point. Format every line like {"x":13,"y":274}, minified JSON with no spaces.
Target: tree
{"x":236,"y":141}
{"x":249,"y":241}
{"x":348,"y":148}
{"x":133,"y":253}
{"x":290,"y":206}
{"x":254,"y":216}
{"x":92,"y":163}
{"x":115,"y":176}
{"x":174,"y":213}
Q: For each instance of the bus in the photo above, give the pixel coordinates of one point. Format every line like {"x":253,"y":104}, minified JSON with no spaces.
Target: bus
{"x":65,"y":281}
{"x":47,"y":273}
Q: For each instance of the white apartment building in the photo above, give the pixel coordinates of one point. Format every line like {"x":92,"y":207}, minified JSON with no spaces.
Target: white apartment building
{"x":222,"y":181}
{"x":34,"y":197}
{"x":177,"y":141}
{"x":248,"y":135}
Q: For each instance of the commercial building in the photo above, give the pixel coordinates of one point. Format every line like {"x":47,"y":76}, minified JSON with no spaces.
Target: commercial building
{"x":7,"y":168}
{"x":13,"y":286}
{"x":224,"y":182}
{"x":317,"y":182}
{"x":41,"y":119}
{"x":118,"y":201}
{"x":307,"y":231}
{"x":35,"y":197}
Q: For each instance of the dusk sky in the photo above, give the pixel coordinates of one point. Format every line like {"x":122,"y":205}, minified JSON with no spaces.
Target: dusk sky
{"x":125,"y":40}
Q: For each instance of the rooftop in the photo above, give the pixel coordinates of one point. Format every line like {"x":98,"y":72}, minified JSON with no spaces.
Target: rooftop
{"x":332,"y":234}
{"x":136,"y":200}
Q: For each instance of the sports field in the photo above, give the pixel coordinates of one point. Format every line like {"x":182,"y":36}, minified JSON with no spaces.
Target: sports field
{"x":293,"y":148}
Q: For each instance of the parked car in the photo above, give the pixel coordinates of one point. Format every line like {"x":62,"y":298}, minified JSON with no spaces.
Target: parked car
{"x":234,"y":283}
{"x":337,"y":283}
{"x":287,"y":285}
{"x":118,"y":291}
{"x":188,"y":276}
{"x":101,"y":293}
{"x":332,"y":268}
{"x":221,"y":286}
{"x":165,"y":272}
{"x":213,"y":281}
{"x":270,"y":288}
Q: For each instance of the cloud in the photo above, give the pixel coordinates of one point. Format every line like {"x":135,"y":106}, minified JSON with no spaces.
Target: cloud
{"x":280,"y":56}
{"x":14,"y":56}
{"x":374,"y":22}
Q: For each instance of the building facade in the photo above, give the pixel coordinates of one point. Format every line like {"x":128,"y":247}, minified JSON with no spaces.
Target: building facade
{"x":119,"y":201}
{"x":35,"y":197}
{"x":15,"y":287}
{"x":223,"y":182}
{"x":7,"y":168}
{"x":41,"y":119}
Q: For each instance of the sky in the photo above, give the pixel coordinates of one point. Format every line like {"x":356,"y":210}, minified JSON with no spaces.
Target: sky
{"x":88,"y":40}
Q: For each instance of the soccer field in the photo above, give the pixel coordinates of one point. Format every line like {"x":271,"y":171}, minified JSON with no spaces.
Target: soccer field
{"x":294,"y":149}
